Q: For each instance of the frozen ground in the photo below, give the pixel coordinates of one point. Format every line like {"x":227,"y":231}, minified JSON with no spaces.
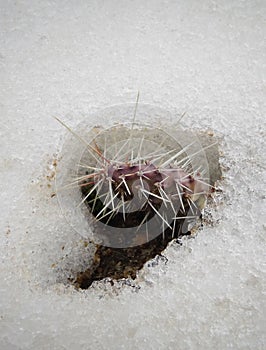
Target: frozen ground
{"x":69,"y":59}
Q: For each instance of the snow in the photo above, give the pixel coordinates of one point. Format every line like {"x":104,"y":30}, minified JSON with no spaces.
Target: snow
{"x":71,"y":59}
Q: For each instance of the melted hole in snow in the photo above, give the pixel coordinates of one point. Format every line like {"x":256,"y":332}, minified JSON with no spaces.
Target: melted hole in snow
{"x":124,"y":258}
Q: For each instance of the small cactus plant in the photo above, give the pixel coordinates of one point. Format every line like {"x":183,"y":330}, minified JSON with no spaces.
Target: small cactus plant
{"x":142,"y":189}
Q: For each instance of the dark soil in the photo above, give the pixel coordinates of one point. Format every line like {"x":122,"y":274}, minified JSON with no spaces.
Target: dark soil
{"x":118,"y":263}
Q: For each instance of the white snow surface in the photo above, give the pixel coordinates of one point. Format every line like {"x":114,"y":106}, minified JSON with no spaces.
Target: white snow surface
{"x":72,"y":58}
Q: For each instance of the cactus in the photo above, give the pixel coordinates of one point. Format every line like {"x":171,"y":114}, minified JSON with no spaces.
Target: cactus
{"x":141,"y":190}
